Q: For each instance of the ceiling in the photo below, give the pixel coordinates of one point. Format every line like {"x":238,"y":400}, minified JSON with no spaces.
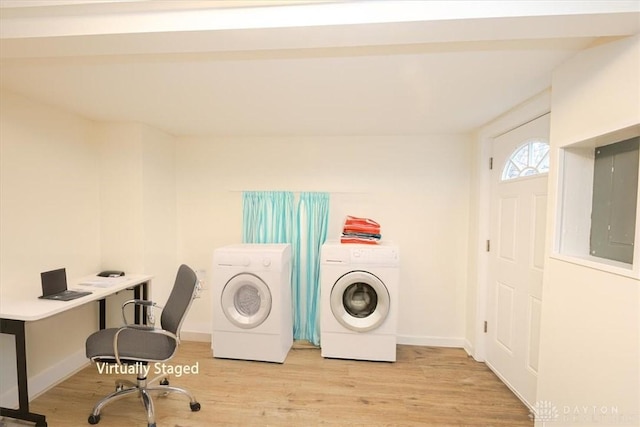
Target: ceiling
{"x":303,"y":68}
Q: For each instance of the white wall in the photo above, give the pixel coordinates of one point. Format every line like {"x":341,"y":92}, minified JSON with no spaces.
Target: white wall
{"x":138,"y":201}
{"x":416,"y":187}
{"x":126,"y":196}
{"x":86,"y":197}
{"x":129,"y":197}
{"x":159,"y":212}
{"x":49,"y":218}
{"x":590,"y":336}
{"x":120,"y":160}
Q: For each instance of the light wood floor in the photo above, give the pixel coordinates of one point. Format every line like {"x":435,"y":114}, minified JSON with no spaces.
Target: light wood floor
{"x":426,"y":386}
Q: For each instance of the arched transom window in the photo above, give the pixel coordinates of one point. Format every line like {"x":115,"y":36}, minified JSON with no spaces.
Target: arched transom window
{"x":531,"y":158}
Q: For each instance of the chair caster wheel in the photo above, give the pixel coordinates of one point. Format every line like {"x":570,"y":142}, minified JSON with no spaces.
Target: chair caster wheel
{"x":164,"y":382}
{"x":94,"y":419}
{"x":195,"y":406}
{"x":151,"y":425}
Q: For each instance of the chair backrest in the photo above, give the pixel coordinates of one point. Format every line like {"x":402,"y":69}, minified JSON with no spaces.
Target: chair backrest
{"x":179,"y":300}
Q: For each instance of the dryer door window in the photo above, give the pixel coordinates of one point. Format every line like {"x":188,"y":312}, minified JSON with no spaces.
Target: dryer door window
{"x":360,"y":301}
{"x":246,"y":300}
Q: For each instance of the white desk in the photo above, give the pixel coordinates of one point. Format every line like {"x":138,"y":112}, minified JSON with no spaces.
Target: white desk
{"x":16,"y":310}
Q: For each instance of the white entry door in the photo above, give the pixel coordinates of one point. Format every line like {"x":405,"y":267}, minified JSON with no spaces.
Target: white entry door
{"x":516,"y":252}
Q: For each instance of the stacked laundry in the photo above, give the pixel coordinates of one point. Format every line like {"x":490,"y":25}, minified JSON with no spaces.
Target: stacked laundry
{"x":360,"y":230}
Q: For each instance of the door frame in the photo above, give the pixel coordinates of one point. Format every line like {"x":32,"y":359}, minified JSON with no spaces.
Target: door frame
{"x":531,"y":109}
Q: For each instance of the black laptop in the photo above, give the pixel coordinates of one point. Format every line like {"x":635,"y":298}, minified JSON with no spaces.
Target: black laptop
{"x":54,"y":286}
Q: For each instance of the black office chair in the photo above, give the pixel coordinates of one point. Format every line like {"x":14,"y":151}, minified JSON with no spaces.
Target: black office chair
{"x":141,"y":345}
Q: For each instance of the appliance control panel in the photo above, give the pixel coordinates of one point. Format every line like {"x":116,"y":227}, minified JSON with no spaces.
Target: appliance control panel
{"x":375,"y":255}
{"x":381,"y":255}
{"x":254,"y":257}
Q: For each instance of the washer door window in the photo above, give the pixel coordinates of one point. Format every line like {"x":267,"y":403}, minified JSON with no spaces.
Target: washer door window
{"x":360,"y":301}
{"x":246,"y":300}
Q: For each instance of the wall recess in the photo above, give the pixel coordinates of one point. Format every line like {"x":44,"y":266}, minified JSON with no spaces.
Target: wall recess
{"x":598,"y":203}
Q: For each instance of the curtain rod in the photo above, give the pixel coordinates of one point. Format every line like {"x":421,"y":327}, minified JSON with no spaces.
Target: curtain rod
{"x":301,"y":191}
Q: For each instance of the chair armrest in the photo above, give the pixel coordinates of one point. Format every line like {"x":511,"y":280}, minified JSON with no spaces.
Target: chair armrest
{"x":144,"y":303}
{"x":138,"y":327}
{"x":149,"y":329}
{"x":139,"y":302}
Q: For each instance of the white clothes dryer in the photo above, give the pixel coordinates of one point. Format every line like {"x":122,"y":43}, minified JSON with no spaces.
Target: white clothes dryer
{"x":252,"y":315}
{"x":359,"y":301}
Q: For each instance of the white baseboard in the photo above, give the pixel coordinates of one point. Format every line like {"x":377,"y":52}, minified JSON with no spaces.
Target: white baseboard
{"x":47,"y":379}
{"x":431,"y":341}
{"x":195,"y":336}
{"x":468,"y":347}
{"x":202,"y":327}
{"x":401,"y":339}
{"x":508,"y":384}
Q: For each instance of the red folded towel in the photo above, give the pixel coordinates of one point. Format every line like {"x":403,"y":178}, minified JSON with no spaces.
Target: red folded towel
{"x":360,"y":230}
{"x":361,"y":240}
{"x":361,"y":225}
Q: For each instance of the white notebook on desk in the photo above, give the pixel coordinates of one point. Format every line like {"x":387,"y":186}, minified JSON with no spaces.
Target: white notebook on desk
{"x":102,"y":282}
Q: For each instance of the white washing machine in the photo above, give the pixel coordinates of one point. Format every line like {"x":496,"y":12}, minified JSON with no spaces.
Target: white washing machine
{"x":252,"y":316}
{"x":359,"y":301}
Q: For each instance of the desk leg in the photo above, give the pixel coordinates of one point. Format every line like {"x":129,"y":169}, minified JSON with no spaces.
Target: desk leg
{"x":17,"y":329}
{"x":136,"y":309}
{"x":145,"y":296}
{"x":103,"y":313}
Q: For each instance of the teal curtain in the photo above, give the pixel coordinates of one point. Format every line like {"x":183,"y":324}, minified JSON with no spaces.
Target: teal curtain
{"x":268,"y":217}
{"x":311,"y":225}
{"x":271,"y":217}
